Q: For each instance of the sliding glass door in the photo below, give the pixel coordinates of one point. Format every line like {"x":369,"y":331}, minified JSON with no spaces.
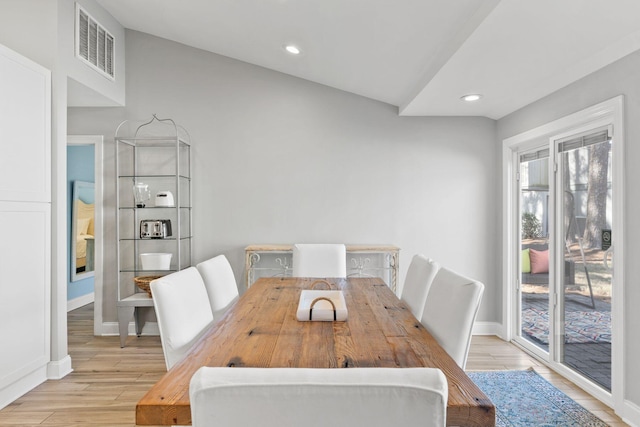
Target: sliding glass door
{"x":564,"y":210}
{"x":584,"y":183}
{"x":533,"y":248}
{"x":564,"y":287}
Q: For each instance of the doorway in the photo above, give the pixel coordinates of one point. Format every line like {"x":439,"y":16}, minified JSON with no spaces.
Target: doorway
{"x":563,"y":192}
{"x":80,"y":225}
{"x":95,"y":141}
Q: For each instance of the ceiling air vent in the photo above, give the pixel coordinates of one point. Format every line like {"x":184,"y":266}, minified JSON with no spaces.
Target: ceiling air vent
{"x":94,"y":44}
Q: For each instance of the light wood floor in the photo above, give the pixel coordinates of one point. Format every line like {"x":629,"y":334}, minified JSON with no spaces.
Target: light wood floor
{"x":107,"y":381}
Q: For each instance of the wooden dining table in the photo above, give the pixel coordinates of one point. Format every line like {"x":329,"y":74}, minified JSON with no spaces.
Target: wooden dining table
{"x":261,"y":330}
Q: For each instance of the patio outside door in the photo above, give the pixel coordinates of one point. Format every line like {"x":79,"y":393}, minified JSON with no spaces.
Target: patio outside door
{"x":584,"y":210}
{"x":565,"y":253}
{"x":564,"y":192}
{"x":534,"y":284}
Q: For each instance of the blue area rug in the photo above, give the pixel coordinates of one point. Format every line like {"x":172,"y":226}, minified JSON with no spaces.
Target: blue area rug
{"x":579,"y":326}
{"x":524,"y":398}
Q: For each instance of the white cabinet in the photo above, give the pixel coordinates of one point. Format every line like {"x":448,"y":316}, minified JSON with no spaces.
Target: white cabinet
{"x":25,"y":213}
{"x":362,"y":261}
{"x":162,"y":166}
{"x":25,"y":121}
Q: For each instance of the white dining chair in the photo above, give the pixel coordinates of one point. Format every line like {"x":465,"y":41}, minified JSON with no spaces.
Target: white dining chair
{"x":416,"y":286}
{"x":450,"y":311}
{"x":183,"y":312}
{"x":220,"y":283}
{"x":372,"y":397}
{"x":319,"y":260}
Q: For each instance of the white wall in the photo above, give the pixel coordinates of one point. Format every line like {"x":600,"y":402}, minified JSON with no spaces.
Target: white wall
{"x":29,"y":27}
{"x":87,"y":87}
{"x":42,"y":30}
{"x":616,"y":79}
{"x":278,"y":159}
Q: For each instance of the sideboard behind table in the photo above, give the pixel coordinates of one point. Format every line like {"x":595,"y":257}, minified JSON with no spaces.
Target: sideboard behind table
{"x":362,"y":261}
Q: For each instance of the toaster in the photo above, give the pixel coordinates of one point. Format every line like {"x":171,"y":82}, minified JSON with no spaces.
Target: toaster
{"x":164,"y":199}
{"x":155,"y":228}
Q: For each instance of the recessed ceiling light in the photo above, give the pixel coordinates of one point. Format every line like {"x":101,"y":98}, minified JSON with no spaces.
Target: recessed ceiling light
{"x":294,"y":50}
{"x":471,"y":97}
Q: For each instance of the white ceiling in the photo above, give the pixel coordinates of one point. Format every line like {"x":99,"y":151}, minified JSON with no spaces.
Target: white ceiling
{"x":420,"y":55}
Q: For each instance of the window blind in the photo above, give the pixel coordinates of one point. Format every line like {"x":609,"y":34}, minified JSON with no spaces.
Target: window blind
{"x":584,"y":140}
{"x":534,"y":155}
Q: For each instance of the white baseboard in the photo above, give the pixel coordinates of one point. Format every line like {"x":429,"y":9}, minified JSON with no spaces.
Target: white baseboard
{"x":487,"y":328}
{"x":59,"y":368}
{"x":25,"y":384}
{"x":80,"y":301}
{"x":112,"y":328}
{"x":631,"y":414}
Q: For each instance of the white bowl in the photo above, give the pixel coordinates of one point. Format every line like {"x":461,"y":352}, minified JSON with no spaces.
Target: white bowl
{"x":155,"y":261}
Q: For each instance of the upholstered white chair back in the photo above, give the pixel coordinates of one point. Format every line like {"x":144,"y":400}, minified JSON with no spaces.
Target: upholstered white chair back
{"x":220,"y":283}
{"x":420,"y":275}
{"x":183,"y":312}
{"x":319,"y":260}
{"x":371,"y":397}
{"x":450,"y":310}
